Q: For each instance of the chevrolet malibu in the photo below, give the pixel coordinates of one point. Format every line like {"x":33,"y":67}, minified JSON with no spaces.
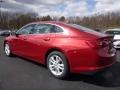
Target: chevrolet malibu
{"x":63,"y":48}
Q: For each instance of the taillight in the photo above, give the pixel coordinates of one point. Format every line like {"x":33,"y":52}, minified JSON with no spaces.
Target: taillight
{"x":100,"y":43}
{"x":95,"y":44}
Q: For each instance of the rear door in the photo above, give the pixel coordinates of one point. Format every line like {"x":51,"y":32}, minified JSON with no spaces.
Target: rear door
{"x":43,"y":39}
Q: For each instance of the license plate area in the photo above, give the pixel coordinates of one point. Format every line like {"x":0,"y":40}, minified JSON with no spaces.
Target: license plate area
{"x":107,"y":51}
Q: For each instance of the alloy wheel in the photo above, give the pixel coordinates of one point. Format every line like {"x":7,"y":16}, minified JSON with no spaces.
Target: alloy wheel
{"x":7,"y":49}
{"x":56,"y":65}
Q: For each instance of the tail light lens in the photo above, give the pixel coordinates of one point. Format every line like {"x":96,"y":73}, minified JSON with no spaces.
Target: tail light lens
{"x":103,"y":42}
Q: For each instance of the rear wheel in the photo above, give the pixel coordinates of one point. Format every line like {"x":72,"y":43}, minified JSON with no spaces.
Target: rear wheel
{"x":57,"y":64}
{"x":7,"y":49}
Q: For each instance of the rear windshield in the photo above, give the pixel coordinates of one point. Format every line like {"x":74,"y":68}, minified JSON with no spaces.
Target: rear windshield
{"x":88,"y":30}
{"x":82,"y":28}
{"x":113,"y":32}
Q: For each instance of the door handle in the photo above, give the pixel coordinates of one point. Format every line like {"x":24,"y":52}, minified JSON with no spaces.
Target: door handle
{"x":24,"y":39}
{"x":46,"y":39}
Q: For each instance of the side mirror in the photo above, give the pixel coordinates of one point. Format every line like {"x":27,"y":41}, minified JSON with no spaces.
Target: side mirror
{"x":17,"y":34}
{"x":13,"y":33}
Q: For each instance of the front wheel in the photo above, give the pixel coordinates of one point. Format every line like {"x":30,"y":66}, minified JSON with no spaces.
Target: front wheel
{"x":57,"y":64}
{"x":7,"y":49}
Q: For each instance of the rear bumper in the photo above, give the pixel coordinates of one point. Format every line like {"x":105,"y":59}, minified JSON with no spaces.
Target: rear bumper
{"x":89,"y":61}
{"x":91,"y":69}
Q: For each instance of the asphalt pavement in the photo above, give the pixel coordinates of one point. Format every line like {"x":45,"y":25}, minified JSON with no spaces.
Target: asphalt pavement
{"x":20,"y":74}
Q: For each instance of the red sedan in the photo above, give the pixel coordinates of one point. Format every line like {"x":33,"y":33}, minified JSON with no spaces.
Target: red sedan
{"x":62,"y":47}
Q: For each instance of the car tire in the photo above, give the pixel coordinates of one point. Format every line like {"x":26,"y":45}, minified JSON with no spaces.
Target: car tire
{"x":57,"y":65}
{"x":7,"y":50}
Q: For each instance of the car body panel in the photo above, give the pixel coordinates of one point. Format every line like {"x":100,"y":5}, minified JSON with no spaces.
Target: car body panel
{"x":73,"y":43}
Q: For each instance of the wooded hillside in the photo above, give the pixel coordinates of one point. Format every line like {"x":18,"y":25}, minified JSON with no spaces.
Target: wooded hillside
{"x":103,"y":21}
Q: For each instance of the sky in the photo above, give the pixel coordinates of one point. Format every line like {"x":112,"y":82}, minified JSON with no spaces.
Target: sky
{"x":62,"y":7}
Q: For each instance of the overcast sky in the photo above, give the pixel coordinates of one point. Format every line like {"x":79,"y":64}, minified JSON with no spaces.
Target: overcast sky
{"x":62,"y":7}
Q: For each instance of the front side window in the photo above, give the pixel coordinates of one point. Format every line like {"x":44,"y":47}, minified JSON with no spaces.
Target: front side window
{"x":26,"y":29}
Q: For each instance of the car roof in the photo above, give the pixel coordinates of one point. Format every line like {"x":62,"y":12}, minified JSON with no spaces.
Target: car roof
{"x":57,"y":23}
{"x":49,"y":22}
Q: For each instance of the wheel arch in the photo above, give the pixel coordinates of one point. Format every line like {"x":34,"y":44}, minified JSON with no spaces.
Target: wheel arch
{"x":56,"y":49}
{"x":4,"y":42}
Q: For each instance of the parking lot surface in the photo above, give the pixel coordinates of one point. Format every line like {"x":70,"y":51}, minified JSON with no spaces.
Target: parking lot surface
{"x":20,"y":74}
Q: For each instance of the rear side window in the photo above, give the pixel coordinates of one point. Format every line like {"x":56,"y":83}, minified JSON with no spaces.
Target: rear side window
{"x":58,"y":29}
{"x":46,"y":28}
{"x":43,"y":28}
